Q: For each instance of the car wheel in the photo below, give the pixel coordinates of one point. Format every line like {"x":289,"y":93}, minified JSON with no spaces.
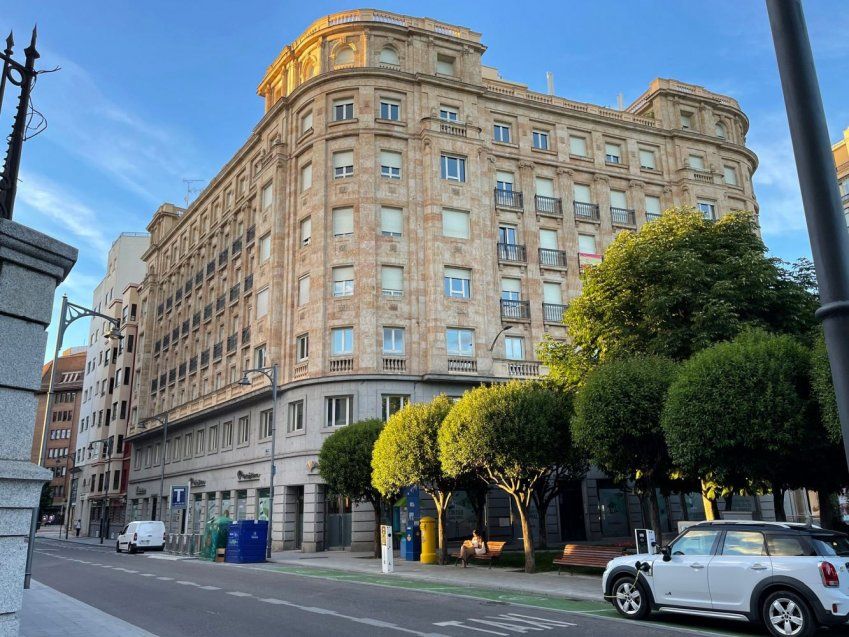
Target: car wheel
{"x":117,"y":547}
{"x":786,"y":614}
{"x":630,"y":598}
{"x":133,"y":549}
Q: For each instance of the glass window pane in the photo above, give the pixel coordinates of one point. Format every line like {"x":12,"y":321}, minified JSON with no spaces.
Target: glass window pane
{"x":743,"y":543}
{"x":695,"y":542}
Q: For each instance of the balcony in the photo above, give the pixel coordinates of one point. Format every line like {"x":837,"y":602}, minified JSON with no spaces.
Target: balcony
{"x":196,"y":320}
{"x":552,"y":258}
{"x":166,"y":341}
{"x":217,"y":350}
{"x":249,"y":283}
{"x":515,"y":310}
{"x":207,"y":312}
{"x":172,"y":376}
{"x":652,"y":216}
{"x":394,"y":364}
{"x":251,"y":235}
{"x":234,"y":293}
{"x":193,"y":364}
{"x":237,"y":246}
{"x":210,"y":268}
{"x":512,"y":253}
{"x":181,"y":371}
{"x":246,"y":335}
{"x":341,"y":364}
{"x":702,"y":176}
{"x":220,"y":303}
{"x":222,"y":258}
{"x":204,"y":358}
{"x":508,"y":199}
{"x":178,"y":296}
{"x":232,"y":341}
{"x":522,"y":369}
{"x":160,"y":309}
{"x":187,"y":287}
{"x":462,"y":365}
{"x":550,"y":206}
{"x":623,"y":217}
{"x":553,"y":312}
{"x":163,"y":380}
{"x":169,"y":303}
{"x":185,"y":327}
{"x":586,"y":211}
{"x":301,"y":370}
{"x":198,"y":277}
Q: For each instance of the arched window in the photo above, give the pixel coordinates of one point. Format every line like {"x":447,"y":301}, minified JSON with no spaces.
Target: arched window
{"x":344,"y":57}
{"x":308,"y":70}
{"x":388,"y":55}
{"x":720,"y":130}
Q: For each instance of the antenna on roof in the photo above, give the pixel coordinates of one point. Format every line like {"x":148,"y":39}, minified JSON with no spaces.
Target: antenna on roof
{"x":620,"y":102}
{"x":191,"y":189}
{"x":549,"y":79}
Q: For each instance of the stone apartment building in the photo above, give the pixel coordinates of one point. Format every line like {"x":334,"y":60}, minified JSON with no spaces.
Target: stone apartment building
{"x":397,"y":208}
{"x":61,"y":424}
{"x":841,"y":164}
{"x":100,"y":452}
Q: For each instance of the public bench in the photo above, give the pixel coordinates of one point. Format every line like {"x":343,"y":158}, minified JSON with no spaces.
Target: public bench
{"x":587,"y":555}
{"x":493,"y":552}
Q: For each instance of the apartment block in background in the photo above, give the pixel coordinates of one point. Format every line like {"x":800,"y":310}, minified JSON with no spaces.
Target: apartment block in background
{"x":841,"y":164}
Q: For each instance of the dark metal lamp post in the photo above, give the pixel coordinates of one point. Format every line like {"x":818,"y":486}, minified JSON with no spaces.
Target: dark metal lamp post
{"x":107,"y":453}
{"x":162,"y":420}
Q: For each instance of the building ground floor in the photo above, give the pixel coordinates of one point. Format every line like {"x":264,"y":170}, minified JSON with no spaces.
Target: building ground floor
{"x":223,"y":461}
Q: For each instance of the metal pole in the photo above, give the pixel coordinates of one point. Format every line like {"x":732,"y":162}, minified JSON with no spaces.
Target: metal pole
{"x":164,"y":422}
{"x":273,"y":468}
{"x":104,"y":520}
{"x":815,"y":166}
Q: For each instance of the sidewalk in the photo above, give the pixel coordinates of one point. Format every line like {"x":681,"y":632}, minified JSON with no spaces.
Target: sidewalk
{"x":577,"y":587}
{"x":46,"y":613}
{"x":53,"y":532}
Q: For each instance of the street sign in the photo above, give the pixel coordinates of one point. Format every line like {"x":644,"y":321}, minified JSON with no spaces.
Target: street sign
{"x":179,"y":496}
{"x":386,"y":555}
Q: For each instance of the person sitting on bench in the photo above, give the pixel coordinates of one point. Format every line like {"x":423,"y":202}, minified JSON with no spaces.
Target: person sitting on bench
{"x":478,"y":547}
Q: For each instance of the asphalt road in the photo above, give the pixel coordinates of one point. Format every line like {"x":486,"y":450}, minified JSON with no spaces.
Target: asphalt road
{"x":190,"y":598}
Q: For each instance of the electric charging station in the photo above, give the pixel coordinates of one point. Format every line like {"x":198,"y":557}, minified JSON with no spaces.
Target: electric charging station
{"x":386,"y":555}
{"x":645,"y":541}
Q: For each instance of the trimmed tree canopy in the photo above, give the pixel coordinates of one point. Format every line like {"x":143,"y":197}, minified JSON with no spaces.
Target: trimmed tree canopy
{"x":344,"y":461}
{"x":676,"y":286}
{"x":824,"y":389}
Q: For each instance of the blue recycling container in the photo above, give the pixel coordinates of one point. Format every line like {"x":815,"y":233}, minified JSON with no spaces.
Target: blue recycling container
{"x":246,"y":541}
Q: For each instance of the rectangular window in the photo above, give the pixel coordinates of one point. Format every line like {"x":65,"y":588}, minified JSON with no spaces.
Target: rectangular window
{"x":306,"y":122}
{"x":581,"y":193}
{"x":343,"y":280}
{"x":262,"y":303}
{"x":304,"y":290}
{"x":302,"y":347}
{"x":504,"y":181}
{"x":444,"y":64}
{"x":696,"y":162}
{"x":548,"y":239}
{"x":453,"y":168}
{"x":296,"y":416}
{"x":391,"y":221}
{"x":647,"y":159}
{"x":617,"y":199}
{"x":458,"y":283}
{"x":514,"y":348}
{"x":187,"y":450}
{"x":393,"y":403}
{"x":339,"y":410}
{"x":729,"y":175}
{"x":343,"y":222}
{"x":501,"y":133}
{"x":552,"y":293}
{"x":266,"y":424}
{"x":455,"y":223}
{"x":227,"y":434}
{"x":200,"y":442}
{"x":244,"y":430}
{"x":540,"y":140}
{"x":267,"y":197}
{"x":393,"y":340}
{"x":343,"y":109}
{"x":260,"y":358}
{"x":511,"y":289}
{"x":544,"y":187}
{"x":653,"y":205}
{"x":343,"y":164}
{"x":306,"y":177}
{"x":306,"y":231}
{"x":392,"y":280}
{"x":390,"y":109}
{"x":613,"y":153}
{"x":577,"y":146}
{"x":449,"y":114}
{"x":213,"y":439}
{"x":460,"y":342}
{"x":390,"y":164}
{"x":708,"y":209}
{"x":342,"y":341}
{"x":264,"y":252}
{"x":686,"y":120}
{"x":587,"y":244}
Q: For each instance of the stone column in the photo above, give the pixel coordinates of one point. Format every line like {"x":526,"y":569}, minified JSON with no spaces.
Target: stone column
{"x":313,"y":540}
{"x":31,"y":266}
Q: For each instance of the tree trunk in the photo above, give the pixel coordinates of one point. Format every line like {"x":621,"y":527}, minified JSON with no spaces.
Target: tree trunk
{"x":778,"y":503}
{"x":710,"y":505}
{"x":542,"y":512}
{"x":377,"y":520}
{"x":826,"y":510}
{"x":654,"y":515}
{"x":441,"y":546}
{"x":729,"y":499}
{"x":527,"y":537}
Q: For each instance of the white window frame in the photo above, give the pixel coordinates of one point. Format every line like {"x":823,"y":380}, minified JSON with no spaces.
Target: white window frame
{"x":448,"y":226}
{"x":510,"y":345}
{"x":347,"y":342}
{"x":333,"y":405}
{"x":647,"y":152}
{"x":343,"y":110}
{"x":612,"y":153}
{"x":578,"y":140}
{"x":388,"y":226}
{"x":457,"y":162}
{"x":342,"y":287}
{"x":387,"y":290}
{"x":395,"y":344}
{"x":342,"y":222}
{"x":295,"y":419}
{"x":302,"y":347}
{"x":449,"y":113}
{"x":456,"y":287}
{"x":464,"y":336}
{"x":501,"y":133}
{"x":390,"y":110}
{"x":264,"y":252}
{"x":305,"y":231}
{"x":540,"y":139}
{"x":388,"y":169}
{"x":343,"y":171}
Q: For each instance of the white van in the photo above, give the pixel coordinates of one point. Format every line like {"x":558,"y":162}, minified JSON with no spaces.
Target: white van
{"x":148,"y":535}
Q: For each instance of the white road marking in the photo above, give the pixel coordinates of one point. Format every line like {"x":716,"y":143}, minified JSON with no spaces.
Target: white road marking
{"x":184,"y":583}
{"x":271,"y":600}
{"x":239,"y":594}
{"x":148,"y":574}
{"x":534,"y":621}
{"x":165,"y":579}
{"x":462,"y":625}
{"x":210,"y":588}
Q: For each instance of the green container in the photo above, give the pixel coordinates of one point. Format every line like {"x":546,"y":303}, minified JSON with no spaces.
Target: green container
{"x":215,"y":537}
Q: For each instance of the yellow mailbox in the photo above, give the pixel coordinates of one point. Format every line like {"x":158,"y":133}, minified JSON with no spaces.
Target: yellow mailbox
{"x":428,"y":528}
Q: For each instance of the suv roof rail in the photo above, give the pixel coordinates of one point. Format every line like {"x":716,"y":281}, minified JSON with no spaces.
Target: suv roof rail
{"x":767,"y":523}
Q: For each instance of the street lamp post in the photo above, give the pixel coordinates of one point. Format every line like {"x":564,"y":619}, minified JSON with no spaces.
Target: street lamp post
{"x":162,"y":420}
{"x":72,"y":496}
{"x":271,"y":374}
{"x":107,"y":452}
{"x":821,"y":199}
{"x":69,"y":313}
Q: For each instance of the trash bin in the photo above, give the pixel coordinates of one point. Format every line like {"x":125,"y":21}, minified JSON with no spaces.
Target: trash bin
{"x":246,"y":541}
{"x":428,"y":529}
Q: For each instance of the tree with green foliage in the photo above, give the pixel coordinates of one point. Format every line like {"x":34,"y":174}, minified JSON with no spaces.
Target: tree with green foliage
{"x":678,"y":285}
{"x":823,"y":387}
{"x":512,"y":434}
{"x":344,"y":464}
{"x":406,"y":453}
{"x":617,"y":420}
{"x":739,"y":412}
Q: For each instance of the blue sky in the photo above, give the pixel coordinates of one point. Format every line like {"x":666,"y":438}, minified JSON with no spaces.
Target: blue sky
{"x":154,"y":92}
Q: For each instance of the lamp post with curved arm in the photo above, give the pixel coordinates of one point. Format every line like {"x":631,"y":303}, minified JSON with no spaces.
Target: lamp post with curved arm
{"x":162,"y":420}
{"x":107,"y":453}
{"x":271,"y":374}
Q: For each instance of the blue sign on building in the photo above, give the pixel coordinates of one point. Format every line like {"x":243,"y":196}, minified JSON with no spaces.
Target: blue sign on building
{"x":179,"y":497}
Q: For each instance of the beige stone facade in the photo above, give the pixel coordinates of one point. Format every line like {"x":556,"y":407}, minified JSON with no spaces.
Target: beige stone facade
{"x":398,"y":205}
{"x":841,"y":164}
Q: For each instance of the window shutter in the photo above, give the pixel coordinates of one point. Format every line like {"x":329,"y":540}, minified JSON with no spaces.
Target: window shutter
{"x":617,"y":199}
{"x":391,"y":159}
{"x":306,"y":122}
{"x":306,"y":230}
{"x":544,"y":187}
{"x":511,"y":285}
{"x":696,"y":162}
{"x":730,"y":175}
{"x":306,"y":176}
{"x":343,"y":221}
{"x":391,"y":220}
{"x":344,"y":158}
{"x":303,"y":290}
{"x":612,"y":149}
{"x":392,"y":277}
{"x":455,"y":223}
{"x":345,"y":273}
{"x":262,"y":303}
{"x":548,"y":239}
{"x":581,"y":193}
{"x":647,"y":159}
{"x":552,"y":293}
{"x":267,"y":196}
{"x":578,"y":146}
{"x":586,"y":244}
{"x":653,"y":205}
{"x":457,"y":273}
{"x":507,"y":178}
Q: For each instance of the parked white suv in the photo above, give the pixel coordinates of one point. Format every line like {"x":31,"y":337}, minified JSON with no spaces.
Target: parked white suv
{"x":144,"y":535}
{"x":791,"y":577}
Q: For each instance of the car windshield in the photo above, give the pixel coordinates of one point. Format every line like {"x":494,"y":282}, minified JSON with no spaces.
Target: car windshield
{"x":831,"y":545}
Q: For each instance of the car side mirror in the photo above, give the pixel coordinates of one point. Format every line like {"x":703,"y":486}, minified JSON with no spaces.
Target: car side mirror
{"x":666,"y":552}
